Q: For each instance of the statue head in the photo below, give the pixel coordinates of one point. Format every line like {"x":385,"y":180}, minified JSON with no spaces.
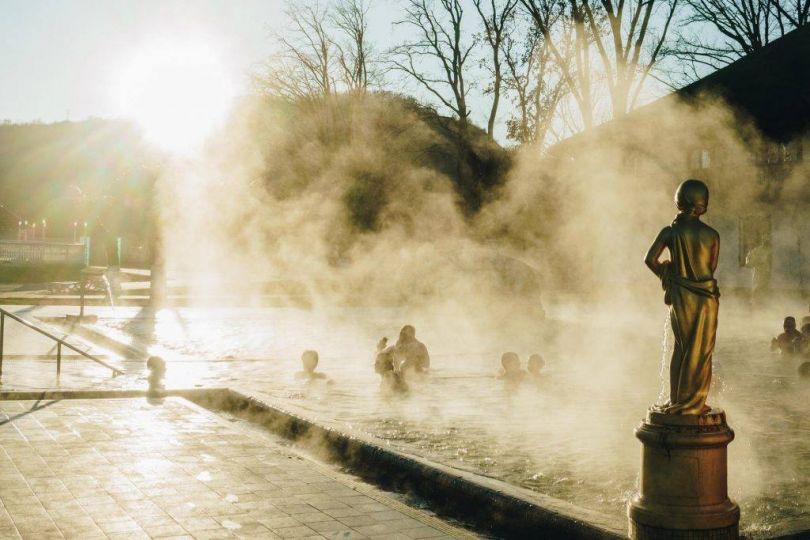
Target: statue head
{"x":692,"y":197}
{"x":310,"y":360}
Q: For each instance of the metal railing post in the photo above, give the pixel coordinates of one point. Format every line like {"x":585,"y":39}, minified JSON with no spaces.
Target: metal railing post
{"x":81,"y":297}
{"x":59,"y":343}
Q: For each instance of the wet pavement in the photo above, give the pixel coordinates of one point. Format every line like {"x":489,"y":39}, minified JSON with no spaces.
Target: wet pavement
{"x":128,"y":468}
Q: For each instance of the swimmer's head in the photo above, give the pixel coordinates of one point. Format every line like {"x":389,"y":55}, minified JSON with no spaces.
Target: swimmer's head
{"x":310,"y":360}
{"x":692,"y":197}
{"x":789,"y":324}
{"x":407,"y":332}
{"x":510,"y":361}
{"x":535,"y":364}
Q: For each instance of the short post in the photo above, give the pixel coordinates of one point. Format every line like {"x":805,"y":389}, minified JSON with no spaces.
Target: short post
{"x":81,"y":295}
{"x":2,"y":334}
{"x":58,"y":359}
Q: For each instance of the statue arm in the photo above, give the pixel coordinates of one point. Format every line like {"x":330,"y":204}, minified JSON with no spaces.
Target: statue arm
{"x":716,"y":253}
{"x":654,"y":253}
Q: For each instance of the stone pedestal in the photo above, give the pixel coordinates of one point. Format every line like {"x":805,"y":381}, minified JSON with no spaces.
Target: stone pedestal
{"x":684,"y":493}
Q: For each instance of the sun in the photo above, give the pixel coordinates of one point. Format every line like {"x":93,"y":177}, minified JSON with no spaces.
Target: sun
{"x":177,"y":91}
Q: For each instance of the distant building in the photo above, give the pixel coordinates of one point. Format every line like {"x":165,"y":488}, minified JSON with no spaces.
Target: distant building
{"x":745,"y":130}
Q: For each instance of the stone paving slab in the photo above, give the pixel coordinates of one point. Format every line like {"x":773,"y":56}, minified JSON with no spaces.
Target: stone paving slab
{"x":126,"y":468}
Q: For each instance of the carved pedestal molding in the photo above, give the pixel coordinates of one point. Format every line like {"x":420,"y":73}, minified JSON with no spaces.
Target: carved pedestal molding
{"x":684,"y":487}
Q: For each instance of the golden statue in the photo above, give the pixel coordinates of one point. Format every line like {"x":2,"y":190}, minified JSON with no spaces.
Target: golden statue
{"x":692,"y":294}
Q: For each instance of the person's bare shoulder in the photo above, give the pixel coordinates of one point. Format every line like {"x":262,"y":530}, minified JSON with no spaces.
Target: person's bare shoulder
{"x":710,"y":231}
{"x":666,"y":233}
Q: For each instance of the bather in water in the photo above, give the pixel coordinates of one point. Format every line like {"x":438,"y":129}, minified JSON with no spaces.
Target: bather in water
{"x":535,"y":368}
{"x":790,"y":341}
{"x":309,"y":360}
{"x":391,"y":380}
{"x":511,"y":373}
{"x":410,"y":356}
{"x":804,"y":344}
{"x":805,"y":320}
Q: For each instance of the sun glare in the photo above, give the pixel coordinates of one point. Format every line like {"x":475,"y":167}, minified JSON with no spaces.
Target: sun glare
{"x":177,"y":92}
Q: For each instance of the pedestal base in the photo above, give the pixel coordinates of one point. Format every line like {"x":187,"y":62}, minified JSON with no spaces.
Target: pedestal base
{"x":645,"y":532}
{"x":684,"y":493}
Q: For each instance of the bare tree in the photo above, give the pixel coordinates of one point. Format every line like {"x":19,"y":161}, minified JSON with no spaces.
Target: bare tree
{"x":737,"y":28}
{"x":304,"y":65}
{"x":549,"y":17}
{"x":323,"y":50}
{"x":625,"y":63}
{"x":496,"y":19}
{"x":355,"y":55}
{"x":437,"y":56}
{"x":791,"y":13}
{"x":533,"y":79}
{"x":628,"y":37}
{"x":519,"y":81}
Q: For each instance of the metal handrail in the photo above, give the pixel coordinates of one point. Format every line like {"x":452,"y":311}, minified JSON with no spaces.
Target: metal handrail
{"x":59,"y":342}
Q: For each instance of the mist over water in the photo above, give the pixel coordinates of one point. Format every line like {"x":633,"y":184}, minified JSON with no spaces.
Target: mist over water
{"x":337,"y":209}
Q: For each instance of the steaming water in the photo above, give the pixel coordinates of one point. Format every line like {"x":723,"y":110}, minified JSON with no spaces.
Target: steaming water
{"x":569,"y":437}
{"x":666,"y":353}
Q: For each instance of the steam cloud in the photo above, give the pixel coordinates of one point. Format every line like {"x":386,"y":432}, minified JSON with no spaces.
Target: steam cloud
{"x":341,"y":201}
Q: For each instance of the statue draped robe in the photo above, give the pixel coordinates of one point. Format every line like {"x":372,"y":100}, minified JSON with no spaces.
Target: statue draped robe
{"x":694,"y":302}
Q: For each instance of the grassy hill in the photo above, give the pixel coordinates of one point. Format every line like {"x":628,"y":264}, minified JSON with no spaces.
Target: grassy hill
{"x":44,"y":167}
{"x":371,"y":152}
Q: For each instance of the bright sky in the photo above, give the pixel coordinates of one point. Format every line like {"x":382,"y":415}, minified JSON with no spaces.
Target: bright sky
{"x":73,"y":59}
{"x":64,"y":58}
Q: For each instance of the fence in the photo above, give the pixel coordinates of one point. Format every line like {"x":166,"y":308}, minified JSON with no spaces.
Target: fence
{"x":29,"y":253}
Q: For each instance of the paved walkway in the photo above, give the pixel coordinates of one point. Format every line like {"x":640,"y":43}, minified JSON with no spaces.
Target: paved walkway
{"x":125,"y":468}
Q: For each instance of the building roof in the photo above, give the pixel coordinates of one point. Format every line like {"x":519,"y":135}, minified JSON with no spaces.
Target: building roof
{"x":771,"y":86}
